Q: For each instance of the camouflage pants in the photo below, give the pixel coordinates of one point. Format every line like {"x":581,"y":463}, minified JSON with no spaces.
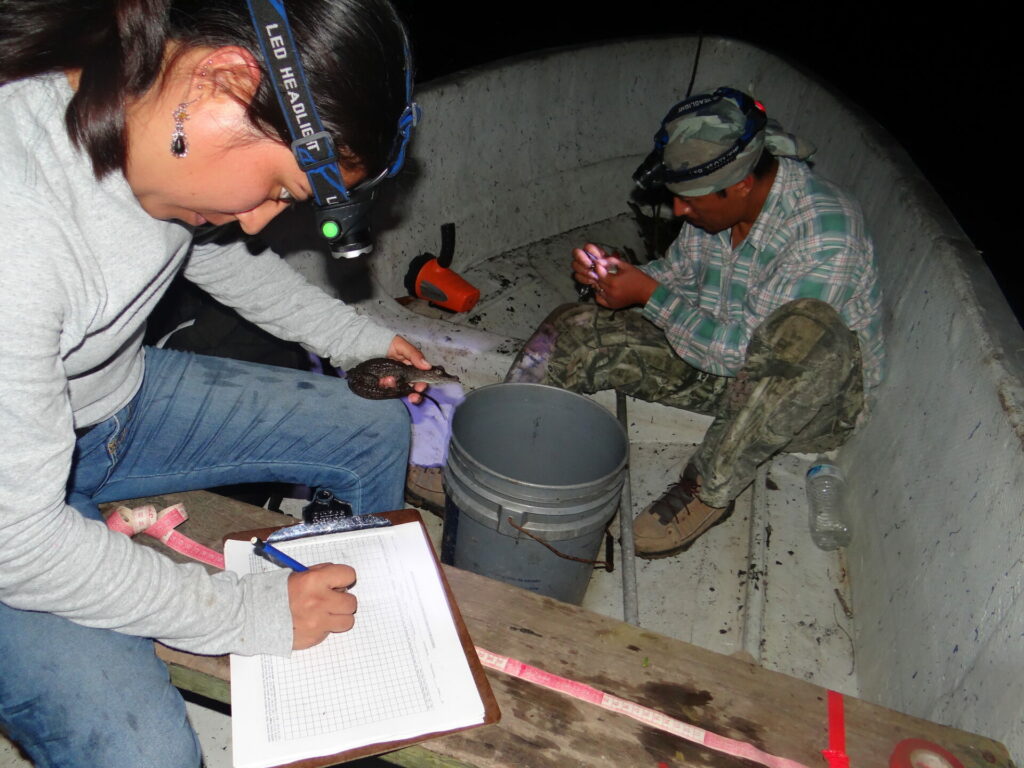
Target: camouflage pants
{"x":800,"y":388}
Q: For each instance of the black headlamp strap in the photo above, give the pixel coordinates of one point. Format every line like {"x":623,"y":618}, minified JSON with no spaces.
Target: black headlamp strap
{"x":313,"y":147}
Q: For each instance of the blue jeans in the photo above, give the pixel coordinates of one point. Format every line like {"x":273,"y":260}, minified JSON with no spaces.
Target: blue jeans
{"x":75,"y":696}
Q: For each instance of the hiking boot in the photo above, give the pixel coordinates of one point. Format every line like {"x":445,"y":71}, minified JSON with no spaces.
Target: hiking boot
{"x":424,"y":488}
{"x":671,"y":523}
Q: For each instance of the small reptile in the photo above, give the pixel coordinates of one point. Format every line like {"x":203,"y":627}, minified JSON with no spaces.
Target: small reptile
{"x":364,"y":379}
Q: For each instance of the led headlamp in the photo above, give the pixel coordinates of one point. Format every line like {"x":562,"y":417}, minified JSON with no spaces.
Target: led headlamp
{"x":342,"y":215}
{"x":652,"y":173}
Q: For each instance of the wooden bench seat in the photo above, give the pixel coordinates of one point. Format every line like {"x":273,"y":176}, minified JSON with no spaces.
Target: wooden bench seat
{"x":779,"y":714}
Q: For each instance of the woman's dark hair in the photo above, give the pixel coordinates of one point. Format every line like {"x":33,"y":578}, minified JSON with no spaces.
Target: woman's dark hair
{"x":353,"y":53}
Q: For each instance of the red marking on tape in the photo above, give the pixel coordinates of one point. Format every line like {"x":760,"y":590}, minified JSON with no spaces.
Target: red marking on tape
{"x":918,"y":753}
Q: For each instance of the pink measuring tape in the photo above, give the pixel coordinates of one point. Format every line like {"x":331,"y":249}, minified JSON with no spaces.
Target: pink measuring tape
{"x":161,"y":525}
{"x":645,"y":715}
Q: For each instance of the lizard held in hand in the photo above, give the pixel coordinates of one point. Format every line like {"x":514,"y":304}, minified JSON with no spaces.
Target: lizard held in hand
{"x":365,"y":379}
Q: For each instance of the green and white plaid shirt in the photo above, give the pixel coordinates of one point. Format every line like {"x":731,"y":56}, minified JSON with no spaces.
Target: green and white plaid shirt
{"x":808,"y":242}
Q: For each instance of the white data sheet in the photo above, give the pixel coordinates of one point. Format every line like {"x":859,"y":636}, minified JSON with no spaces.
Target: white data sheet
{"x":399,"y":673}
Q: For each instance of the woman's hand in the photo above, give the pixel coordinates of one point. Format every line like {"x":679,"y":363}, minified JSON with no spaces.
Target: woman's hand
{"x":320,"y":603}
{"x":404,"y":351}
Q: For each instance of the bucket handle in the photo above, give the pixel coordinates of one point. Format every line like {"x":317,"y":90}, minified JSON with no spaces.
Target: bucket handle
{"x":606,"y":564}
{"x":515,"y":517}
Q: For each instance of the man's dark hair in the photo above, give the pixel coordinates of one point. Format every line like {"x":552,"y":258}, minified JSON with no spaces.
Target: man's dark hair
{"x":352,"y":51}
{"x":764,"y":165}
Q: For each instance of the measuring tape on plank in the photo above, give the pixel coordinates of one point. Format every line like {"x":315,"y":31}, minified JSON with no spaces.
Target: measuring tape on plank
{"x":160,"y":525}
{"x":640,"y":713}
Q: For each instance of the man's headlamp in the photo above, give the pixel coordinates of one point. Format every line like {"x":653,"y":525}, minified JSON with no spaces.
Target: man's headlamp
{"x":342,"y":215}
{"x":652,"y":173}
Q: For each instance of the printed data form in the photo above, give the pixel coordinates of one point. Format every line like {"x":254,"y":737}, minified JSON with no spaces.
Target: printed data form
{"x":401,"y":672}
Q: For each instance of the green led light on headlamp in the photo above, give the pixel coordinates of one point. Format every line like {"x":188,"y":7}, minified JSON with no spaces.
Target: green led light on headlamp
{"x":330,"y":229}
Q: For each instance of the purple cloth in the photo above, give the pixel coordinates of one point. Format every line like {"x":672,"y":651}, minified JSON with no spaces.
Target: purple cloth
{"x":431,"y":428}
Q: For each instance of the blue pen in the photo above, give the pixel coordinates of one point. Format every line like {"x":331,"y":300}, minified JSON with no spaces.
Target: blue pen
{"x":275,"y":555}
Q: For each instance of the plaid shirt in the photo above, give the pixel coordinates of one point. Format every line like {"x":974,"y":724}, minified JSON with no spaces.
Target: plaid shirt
{"x":809,"y":241}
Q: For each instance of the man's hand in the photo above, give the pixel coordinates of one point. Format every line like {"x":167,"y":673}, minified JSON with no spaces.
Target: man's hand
{"x":588,"y":264}
{"x":320,"y":603}
{"x":617,"y":283}
{"x":406,"y":352}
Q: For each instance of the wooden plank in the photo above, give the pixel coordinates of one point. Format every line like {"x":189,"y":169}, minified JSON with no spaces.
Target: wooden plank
{"x":779,"y":714}
{"x":209,"y":676}
{"x":421,"y":757}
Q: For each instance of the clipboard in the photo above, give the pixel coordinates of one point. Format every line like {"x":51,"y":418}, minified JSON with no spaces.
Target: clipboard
{"x":491,"y":711}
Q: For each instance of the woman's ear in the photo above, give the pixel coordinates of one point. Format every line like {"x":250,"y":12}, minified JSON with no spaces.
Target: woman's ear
{"x":230,"y":71}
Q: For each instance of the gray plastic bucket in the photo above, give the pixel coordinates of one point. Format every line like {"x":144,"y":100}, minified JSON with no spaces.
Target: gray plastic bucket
{"x":549,"y":461}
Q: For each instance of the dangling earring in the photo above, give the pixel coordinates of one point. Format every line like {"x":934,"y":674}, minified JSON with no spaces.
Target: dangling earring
{"x":179,"y":142}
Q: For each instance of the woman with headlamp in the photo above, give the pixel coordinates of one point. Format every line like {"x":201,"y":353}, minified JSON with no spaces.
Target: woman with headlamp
{"x":123,"y":127}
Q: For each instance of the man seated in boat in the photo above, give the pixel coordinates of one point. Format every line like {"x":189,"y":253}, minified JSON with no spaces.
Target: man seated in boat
{"x":764,"y":312}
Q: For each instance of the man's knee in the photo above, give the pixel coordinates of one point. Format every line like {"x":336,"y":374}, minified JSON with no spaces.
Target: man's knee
{"x":812,"y":311}
{"x":567,"y":316}
{"x":812,"y":365}
{"x":805,"y":333}
{"x":531,"y":363}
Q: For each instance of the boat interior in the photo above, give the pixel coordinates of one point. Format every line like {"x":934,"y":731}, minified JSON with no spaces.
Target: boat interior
{"x":924,"y":611}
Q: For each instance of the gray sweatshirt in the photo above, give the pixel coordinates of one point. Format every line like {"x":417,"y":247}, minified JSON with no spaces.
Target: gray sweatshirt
{"x":81,"y":268}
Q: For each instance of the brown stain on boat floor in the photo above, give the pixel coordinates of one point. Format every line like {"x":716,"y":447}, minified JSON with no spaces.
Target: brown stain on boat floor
{"x":691,"y":705}
{"x":694,"y":707}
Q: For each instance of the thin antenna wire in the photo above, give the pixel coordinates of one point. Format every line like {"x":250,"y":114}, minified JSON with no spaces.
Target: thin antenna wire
{"x":696,"y":61}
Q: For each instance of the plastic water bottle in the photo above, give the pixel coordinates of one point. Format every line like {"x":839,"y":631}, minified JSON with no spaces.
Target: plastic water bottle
{"x":830,"y":525}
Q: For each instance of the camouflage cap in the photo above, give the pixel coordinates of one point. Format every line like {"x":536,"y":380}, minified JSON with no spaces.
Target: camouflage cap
{"x":701,"y":135}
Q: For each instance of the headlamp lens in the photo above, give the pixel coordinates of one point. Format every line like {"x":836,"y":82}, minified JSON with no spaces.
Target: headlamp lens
{"x":650,"y":174}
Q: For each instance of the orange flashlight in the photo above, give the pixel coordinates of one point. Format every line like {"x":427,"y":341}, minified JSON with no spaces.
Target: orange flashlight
{"x":430,"y":278}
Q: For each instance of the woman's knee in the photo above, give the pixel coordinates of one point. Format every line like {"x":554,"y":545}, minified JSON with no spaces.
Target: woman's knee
{"x":89,"y":697}
{"x":393,"y":417}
